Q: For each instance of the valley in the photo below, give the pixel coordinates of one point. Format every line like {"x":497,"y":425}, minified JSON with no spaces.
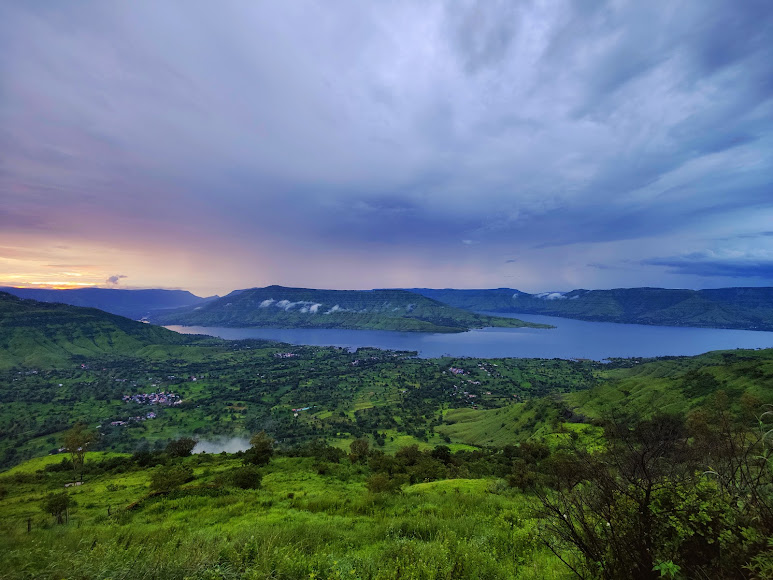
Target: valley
{"x":371,"y":463}
{"x":386,"y":290}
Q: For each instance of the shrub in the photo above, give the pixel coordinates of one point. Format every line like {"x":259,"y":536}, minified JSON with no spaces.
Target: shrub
{"x":359,"y":450}
{"x":247,"y":477}
{"x":58,"y":504}
{"x":261,"y":450}
{"x":145,"y":458}
{"x":383,"y":483}
{"x":180,"y":447}
{"x":64,"y":465}
{"x":169,"y":477}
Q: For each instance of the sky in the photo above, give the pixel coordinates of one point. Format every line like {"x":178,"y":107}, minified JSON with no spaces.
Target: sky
{"x":537,"y":145}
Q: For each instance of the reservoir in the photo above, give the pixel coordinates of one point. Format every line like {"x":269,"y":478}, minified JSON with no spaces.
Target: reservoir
{"x":569,"y":339}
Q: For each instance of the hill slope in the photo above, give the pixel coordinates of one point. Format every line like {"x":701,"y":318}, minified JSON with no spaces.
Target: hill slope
{"x":639,"y":387}
{"x":740,"y":308}
{"x":44,"y":334}
{"x":280,"y":307}
{"x":133,"y":304}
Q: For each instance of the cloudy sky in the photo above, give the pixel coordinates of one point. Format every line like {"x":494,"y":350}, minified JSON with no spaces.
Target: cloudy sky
{"x":543,"y":145}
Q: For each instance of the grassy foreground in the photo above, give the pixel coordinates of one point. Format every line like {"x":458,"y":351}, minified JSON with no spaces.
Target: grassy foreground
{"x":299,"y":524}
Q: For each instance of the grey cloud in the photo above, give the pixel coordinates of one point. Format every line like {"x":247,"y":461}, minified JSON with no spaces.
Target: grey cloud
{"x":727,"y":34}
{"x":482,"y":31}
{"x":114,"y":280}
{"x":402,"y":128}
{"x":749,"y":236}
{"x":707,"y":265}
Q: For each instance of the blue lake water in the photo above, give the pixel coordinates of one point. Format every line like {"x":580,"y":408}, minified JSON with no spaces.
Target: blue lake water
{"x":570,"y":339}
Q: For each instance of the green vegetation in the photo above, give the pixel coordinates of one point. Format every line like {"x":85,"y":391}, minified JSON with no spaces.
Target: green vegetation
{"x":742,"y":308}
{"x":38,"y":334}
{"x":372,"y":464}
{"x":643,"y":504}
{"x":280,"y":307}
{"x":392,"y":398}
{"x":308,"y":519}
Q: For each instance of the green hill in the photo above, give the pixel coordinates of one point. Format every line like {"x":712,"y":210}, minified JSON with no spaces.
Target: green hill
{"x":45,"y":334}
{"x":640,"y":388}
{"x":740,"y":308}
{"x":280,"y":307}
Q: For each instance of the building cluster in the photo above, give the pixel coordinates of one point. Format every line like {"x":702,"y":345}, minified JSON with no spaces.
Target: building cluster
{"x":145,"y":417}
{"x":160,"y":398}
{"x":357,"y":361}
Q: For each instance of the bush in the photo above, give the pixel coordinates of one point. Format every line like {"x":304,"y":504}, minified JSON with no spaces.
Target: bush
{"x":58,"y":504}
{"x":247,"y":477}
{"x":169,"y":477}
{"x":145,"y":458}
{"x":261,"y":450}
{"x":383,"y":483}
{"x":64,"y":465}
{"x":359,"y":450}
{"x":523,"y":476}
{"x":180,"y":447}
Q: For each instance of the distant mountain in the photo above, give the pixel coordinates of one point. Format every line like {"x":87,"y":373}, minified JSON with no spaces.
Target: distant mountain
{"x":43,"y":334}
{"x":739,"y":308}
{"x":135,"y":304}
{"x":280,"y":307}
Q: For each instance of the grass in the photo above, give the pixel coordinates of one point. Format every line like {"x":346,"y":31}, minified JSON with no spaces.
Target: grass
{"x":640,"y":388}
{"x":298,"y":525}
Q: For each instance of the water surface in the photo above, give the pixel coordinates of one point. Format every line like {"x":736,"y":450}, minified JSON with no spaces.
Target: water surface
{"x":570,"y":339}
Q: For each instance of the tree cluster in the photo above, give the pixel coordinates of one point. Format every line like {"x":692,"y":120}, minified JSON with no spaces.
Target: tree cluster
{"x":665,"y":496}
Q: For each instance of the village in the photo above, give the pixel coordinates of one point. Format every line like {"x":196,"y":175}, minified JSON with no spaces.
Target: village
{"x":155,"y":398}
{"x":160,"y":398}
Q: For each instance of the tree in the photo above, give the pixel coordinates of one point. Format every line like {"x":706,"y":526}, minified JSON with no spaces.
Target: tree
{"x":384,"y":483}
{"x":665,"y":497}
{"x":608,"y":506}
{"x":58,"y":505}
{"x":260,"y":451}
{"x":359,"y":450}
{"x":182,"y":447}
{"x":247,"y":477}
{"x":76,"y":441}
{"x":168,"y":477}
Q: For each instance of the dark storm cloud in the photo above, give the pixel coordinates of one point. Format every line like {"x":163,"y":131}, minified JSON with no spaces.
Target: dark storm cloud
{"x":407,"y":128}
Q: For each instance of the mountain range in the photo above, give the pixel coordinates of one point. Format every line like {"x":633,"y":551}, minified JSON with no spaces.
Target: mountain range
{"x":281,"y":307}
{"x":134,"y":304}
{"x":739,"y":308}
{"x":424,"y":309}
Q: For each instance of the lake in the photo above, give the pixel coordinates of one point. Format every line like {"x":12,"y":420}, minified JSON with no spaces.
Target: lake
{"x":570,"y":339}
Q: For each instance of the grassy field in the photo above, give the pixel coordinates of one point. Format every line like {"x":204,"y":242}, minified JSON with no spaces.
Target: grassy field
{"x":299,"y":524}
